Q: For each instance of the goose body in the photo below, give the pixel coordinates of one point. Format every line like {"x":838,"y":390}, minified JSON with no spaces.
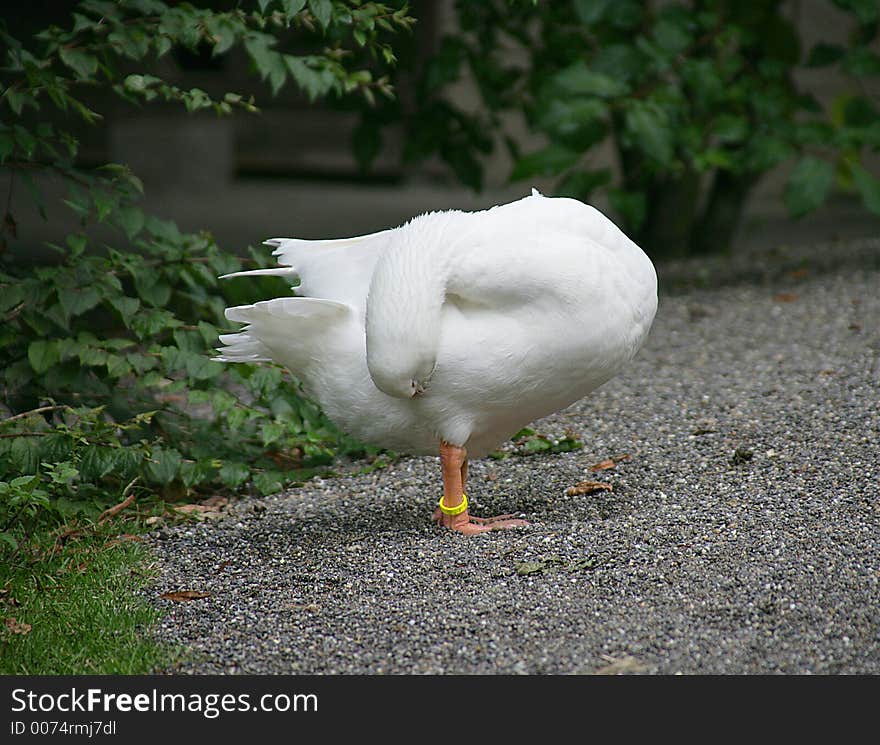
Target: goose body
{"x":456,"y":327}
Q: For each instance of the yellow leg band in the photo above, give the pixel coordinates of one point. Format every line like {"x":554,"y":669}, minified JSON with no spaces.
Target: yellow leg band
{"x":457,"y":510}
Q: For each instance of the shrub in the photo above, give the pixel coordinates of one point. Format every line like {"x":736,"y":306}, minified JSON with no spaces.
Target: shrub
{"x":105,"y":369}
{"x":694,"y":97}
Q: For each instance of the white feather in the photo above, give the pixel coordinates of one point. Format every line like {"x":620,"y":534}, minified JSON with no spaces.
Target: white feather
{"x":501,"y":316}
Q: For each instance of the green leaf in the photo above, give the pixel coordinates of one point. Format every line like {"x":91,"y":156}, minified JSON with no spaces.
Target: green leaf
{"x":292,"y":7}
{"x":867,"y":11}
{"x":135,"y":83}
{"x":315,"y":83}
{"x":581,"y":80}
{"x":192,"y":473}
{"x":868,"y":187}
{"x":537,"y":444}
{"x":322,"y":10}
{"x":626,"y":14}
{"x":765,"y":151}
{"x":82,"y":63}
{"x":671,"y":35}
{"x":164,"y":229}
{"x":808,"y":185}
{"x":71,"y":508}
{"x":77,"y":243}
{"x":78,"y":300}
{"x":43,"y":354}
{"x":270,"y":64}
{"x":631,"y":206}
{"x":163,"y":466}
{"x":862,"y":61}
{"x":118,"y":366}
{"x":18,"y":99}
{"x":97,"y":461}
{"x":151,"y":321}
{"x":271,"y":432}
{"x":125,"y":306}
{"x":579,"y":184}
{"x":91,"y":356}
{"x":234,"y":475}
{"x":569,"y":116}
{"x":858,"y":111}
{"x":25,"y":456}
{"x":730,"y":128}
{"x":648,"y":129}
{"x":131,"y":220}
{"x":202,"y":367}
{"x":713,"y":157}
{"x":152,"y":291}
{"x":550,"y":161}
{"x":589,"y":12}
{"x":10,"y":296}
{"x":269,"y":482}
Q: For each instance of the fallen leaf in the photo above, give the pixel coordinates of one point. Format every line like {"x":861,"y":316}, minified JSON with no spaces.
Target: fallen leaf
{"x":530,"y":567}
{"x":609,"y":462}
{"x":553,"y":563}
{"x":619,"y":665}
{"x":703,"y":431}
{"x":201,"y":511}
{"x":184,"y":595}
{"x":215,"y":502}
{"x":579,"y":564}
{"x":311,"y":607}
{"x":187,"y":509}
{"x":588,"y":487}
{"x":799,"y":273}
{"x":785,"y":297}
{"x":15,"y":626}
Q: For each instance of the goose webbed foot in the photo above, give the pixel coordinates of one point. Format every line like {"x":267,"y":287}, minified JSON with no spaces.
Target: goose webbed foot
{"x":469,"y":525}
{"x":452,"y":512}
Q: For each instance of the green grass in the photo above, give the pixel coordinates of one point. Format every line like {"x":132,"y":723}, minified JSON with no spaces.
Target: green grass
{"x":84,"y":608}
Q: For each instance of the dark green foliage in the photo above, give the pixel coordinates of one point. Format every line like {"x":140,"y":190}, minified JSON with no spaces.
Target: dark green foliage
{"x":529,"y":442}
{"x":696,"y":98}
{"x":106,"y":381}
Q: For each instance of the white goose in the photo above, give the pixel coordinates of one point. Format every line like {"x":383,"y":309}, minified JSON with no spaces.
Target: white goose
{"x":452,"y":332}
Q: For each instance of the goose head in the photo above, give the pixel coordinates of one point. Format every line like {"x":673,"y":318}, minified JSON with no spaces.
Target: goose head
{"x":402,"y":371}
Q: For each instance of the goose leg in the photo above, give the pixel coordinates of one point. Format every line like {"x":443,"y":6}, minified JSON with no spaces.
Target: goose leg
{"x":453,"y":461}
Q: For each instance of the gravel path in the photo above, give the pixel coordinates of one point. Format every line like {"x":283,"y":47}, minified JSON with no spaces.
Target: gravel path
{"x":699,"y":561}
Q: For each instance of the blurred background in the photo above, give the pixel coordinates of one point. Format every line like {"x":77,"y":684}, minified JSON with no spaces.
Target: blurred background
{"x":291,"y":169}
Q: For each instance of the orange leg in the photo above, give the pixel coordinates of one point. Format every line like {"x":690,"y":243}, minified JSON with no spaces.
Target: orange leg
{"x":453,"y":461}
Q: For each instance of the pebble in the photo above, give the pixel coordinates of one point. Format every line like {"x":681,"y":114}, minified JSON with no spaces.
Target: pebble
{"x":698,"y":564}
